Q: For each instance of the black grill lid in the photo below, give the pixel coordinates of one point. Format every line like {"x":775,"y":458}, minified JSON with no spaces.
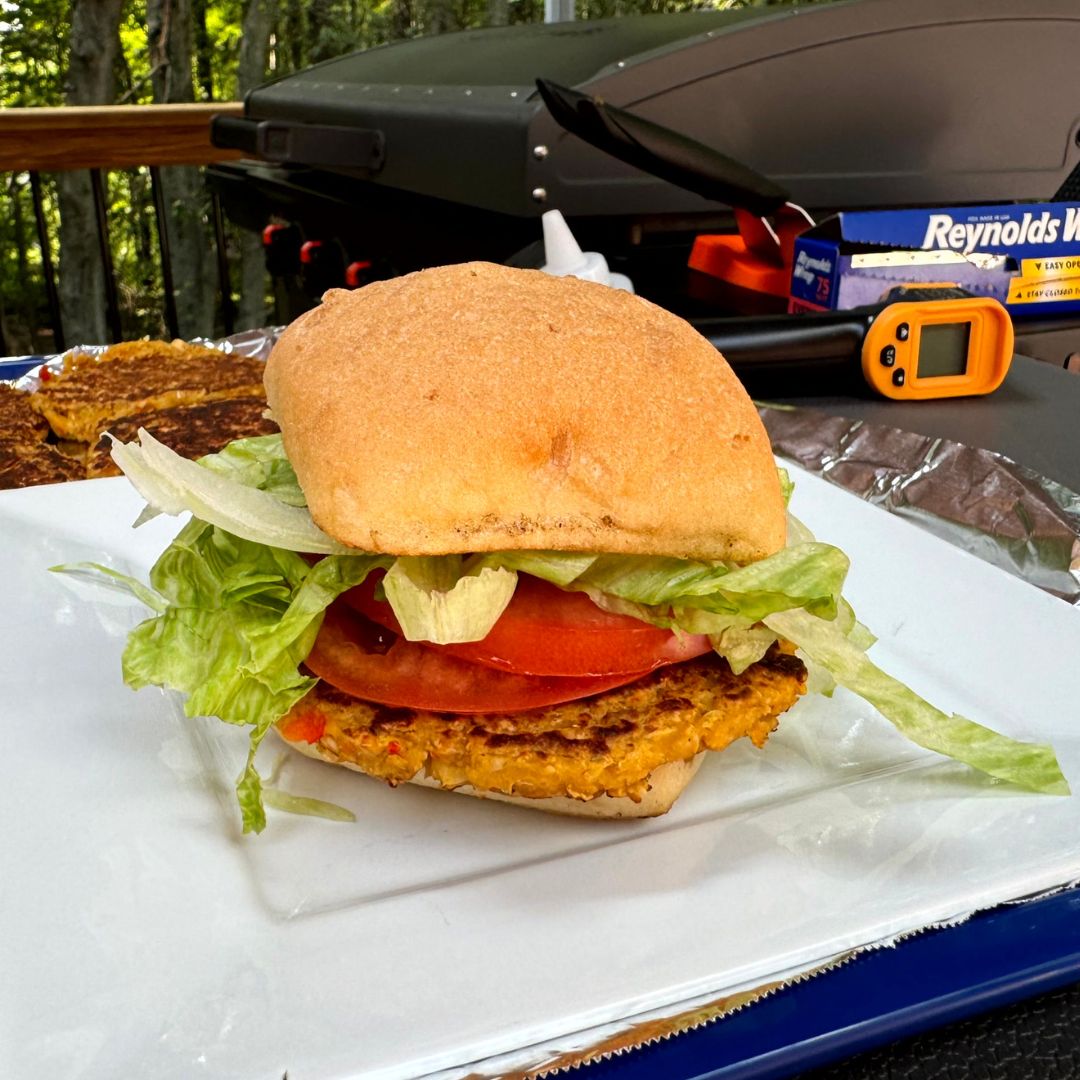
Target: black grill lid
{"x":847,"y":104}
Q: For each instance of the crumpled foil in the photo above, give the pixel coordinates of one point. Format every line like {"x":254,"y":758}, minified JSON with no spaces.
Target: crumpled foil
{"x":979,"y":500}
{"x":256,"y":343}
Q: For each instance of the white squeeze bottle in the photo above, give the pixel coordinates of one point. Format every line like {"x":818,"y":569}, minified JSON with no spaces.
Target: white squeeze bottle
{"x":564,"y":258}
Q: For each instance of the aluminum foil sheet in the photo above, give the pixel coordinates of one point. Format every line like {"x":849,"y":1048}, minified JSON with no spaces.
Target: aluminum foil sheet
{"x":257,"y":343}
{"x":979,"y":500}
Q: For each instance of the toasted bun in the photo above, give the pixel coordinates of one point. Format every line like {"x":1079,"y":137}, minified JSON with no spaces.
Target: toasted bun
{"x":666,"y":784}
{"x":479,"y":408}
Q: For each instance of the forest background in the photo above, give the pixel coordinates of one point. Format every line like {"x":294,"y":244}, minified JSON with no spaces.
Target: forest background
{"x":101,"y":52}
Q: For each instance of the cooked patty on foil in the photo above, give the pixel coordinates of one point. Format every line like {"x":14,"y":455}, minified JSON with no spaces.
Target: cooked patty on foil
{"x":93,"y":392}
{"x":190,"y":430}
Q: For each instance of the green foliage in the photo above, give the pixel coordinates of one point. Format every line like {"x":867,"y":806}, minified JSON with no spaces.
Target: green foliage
{"x":33,"y":43}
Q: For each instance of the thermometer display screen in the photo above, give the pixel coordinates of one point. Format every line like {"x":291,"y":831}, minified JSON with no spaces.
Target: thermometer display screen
{"x":943,"y":349}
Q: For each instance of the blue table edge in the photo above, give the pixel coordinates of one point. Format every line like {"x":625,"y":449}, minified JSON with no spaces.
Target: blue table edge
{"x":995,"y":958}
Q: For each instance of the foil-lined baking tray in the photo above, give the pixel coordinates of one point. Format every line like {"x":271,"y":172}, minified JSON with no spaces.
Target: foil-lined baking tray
{"x":256,"y":343}
{"x":976,"y":499}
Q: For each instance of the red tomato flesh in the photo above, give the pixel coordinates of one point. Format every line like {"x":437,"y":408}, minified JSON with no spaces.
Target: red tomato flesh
{"x":305,"y":727}
{"x":364,"y":660}
{"x":548,"y":631}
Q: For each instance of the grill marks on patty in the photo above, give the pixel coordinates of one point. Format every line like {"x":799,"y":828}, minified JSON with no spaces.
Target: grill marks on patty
{"x":193,"y":399}
{"x":138,"y":377}
{"x":25,"y":457}
{"x":190,"y":430}
{"x":608,"y":744}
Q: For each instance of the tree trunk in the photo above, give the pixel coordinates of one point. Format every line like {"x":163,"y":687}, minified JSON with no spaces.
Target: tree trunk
{"x":170,"y":32}
{"x":401,"y":20}
{"x":94,"y":48}
{"x":319,"y":21}
{"x":203,"y":54}
{"x":254,"y":57}
{"x":498,"y":12}
{"x":440,"y":17}
{"x":290,"y":35}
{"x":17,"y":221}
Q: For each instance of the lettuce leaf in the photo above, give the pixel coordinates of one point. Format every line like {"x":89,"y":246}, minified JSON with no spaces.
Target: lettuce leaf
{"x":258,"y":462}
{"x":447,"y":599}
{"x":808,"y":575}
{"x":115,"y":581}
{"x":240,"y":619}
{"x":171,"y":485}
{"x":1029,"y":765}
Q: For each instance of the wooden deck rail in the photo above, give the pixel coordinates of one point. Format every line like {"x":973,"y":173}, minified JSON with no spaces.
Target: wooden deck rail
{"x":110,"y":136}
{"x":99,"y":137}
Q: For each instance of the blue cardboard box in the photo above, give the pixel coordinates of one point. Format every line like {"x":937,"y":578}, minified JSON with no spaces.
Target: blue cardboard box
{"x":1025,"y":255}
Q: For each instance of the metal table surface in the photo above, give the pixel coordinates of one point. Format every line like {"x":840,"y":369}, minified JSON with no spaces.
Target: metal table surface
{"x":920,"y":1011}
{"x":1033,"y":418}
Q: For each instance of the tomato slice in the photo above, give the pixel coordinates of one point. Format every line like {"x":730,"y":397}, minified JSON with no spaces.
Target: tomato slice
{"x":364,"y":660}
{"x":548,"y":631}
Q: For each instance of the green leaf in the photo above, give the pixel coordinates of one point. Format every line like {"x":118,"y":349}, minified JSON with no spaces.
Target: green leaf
{"x":742,"y":646}
{"x":241,"y":618}
{"x":301,"y":804}
{"x":172,"y":485}
{"x":787,"y":485}
{"x":806,"y":575}
{"x":559,"y":567}
{"x":114,"y":580}
{"x":259,"y":462}
{"x":1029,"y":765}
{"x":249,"y":792}
{"x":445,"y":600}
{"x":295,"y":632}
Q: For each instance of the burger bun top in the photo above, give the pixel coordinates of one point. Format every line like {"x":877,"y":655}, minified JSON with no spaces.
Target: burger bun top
{"x":479,"y":408}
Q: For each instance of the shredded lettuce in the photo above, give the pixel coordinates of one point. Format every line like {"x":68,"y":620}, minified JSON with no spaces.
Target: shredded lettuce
{"x":273,"y":796}
{"x":787,"y":485}
{"x":114,"y":580}
{"x":240,"y":618}
{"x":445,"y":600}
{"x":1029,"y":765}
{"x":259,"y":462}
{"x":172,"y":485}
{"x":236,"y":608}
{"x":303,"y":804}
{"x":808,"y":575}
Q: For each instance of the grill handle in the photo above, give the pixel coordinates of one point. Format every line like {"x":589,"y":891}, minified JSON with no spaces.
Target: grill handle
{"x":287,"y":143}
{"x":661,"y":151}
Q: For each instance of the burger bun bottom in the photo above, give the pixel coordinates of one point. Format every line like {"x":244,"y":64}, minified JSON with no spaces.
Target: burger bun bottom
{"x":666,"y":784}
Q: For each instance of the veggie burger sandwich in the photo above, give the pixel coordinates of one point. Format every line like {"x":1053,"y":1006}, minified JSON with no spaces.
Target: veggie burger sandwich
{"x":520,"y":537}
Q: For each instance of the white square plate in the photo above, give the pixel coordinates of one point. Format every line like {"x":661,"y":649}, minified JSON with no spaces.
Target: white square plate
{"x":141,"y":935}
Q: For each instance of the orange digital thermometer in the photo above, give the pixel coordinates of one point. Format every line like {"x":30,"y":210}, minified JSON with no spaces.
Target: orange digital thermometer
{"x":936,"y":343}
{"x":922,"y":342}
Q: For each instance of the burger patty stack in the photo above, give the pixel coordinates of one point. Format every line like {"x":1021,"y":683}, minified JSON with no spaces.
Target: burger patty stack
{"x":194,"y":399}
{"x":476,"y":409}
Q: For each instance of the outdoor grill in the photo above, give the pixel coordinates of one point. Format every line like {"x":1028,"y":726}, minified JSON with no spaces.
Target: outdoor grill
{"x":439,"y":149}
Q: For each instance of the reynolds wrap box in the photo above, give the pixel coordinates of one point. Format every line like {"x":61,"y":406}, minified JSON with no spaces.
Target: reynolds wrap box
{"x":1025,"y":255}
